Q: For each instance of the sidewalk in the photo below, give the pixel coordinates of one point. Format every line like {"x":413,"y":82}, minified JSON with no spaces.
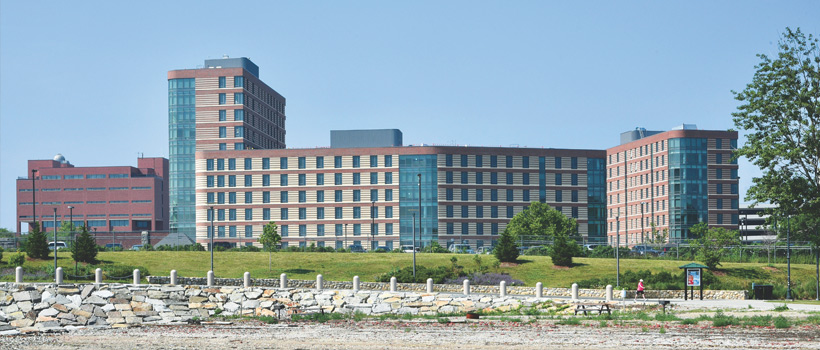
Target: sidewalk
{"x":760,"y":305}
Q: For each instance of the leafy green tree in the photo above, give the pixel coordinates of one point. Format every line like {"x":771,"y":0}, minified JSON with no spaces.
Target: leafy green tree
{"x":84,"y":248}
{"x":539,"y":219}
{"x":712,"y":243}
{"x":269,"y":239}
{"x":37,"y":243}
{"x":506,"y":250}
{"x":563,"y":249}
{"x":780,"y":112}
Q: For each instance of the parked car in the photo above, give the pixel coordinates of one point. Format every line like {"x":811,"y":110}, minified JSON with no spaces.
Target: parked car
{"x":644,"y":250}
{"x":60,"y":245}
{"x":461,"y":248}
{"x":136,"y":247}
{"x":591,"y":247}
{"x":485,"y":250}
{"x":113,"y":246}
{"x":356,"y":248}
{"x":409,"y":249}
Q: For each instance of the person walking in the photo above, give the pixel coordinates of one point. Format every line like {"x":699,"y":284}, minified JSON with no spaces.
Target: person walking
{"x":640,"y":291}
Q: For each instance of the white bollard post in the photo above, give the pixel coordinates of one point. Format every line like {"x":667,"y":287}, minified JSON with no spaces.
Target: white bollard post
{"x":283,"y":280}
{"x":355,"y":284}
{"x":210,"y":278}
{"x":393,"y":284}
{"x":174,"y":277}
{"x":539,"y":290}
{"x":575,"y":291}
{"x":246,"y":279}
{"x":136,"y":276}
{"x":98,"y":276}
{"x":58,"y":275}
{"x":429,"y":285}
{"x":466,"y":285}
{"x":608,"y":293}
{"x":18,"y":274}
{"x":319,"y":281}
{"x":502,"y":288}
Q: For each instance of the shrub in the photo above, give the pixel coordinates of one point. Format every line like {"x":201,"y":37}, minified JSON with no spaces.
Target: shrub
{"x":722,"y":320}
{"x":434,"y":247}
{"x":506,"y":250}
{"x":122,"y":271}
{"x":405,"y":275}
{"x":538,"y":251}
{"x":1,"y":254}
{"x":781,"y":322}
{"x":17,"y":260}
{"x":563,"y":249}
{"x":37,"y":243}
{"x":486,"y":279}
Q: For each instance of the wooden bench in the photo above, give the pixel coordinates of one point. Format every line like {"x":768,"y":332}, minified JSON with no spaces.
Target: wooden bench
{"x":593,"y":307}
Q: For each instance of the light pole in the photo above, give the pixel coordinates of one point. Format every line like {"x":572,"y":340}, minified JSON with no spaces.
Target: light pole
{"x":617,"y":249}
{"x":420,"y":214}
{"x":372,"y":224}
{"x":33,"y":198}
{"x":414,"y":247}
{"x":346,"y":236}
{"x":71,"y":220}
{"x":788,"y":261}
{"x":211,"y":248}
{"x":55,"y":240}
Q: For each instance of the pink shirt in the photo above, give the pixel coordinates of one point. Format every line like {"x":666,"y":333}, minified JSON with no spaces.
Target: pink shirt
{"x":640,"y":286}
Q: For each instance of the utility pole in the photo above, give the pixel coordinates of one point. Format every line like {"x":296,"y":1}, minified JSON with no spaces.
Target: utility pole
{"x":617,"y":249}
{"x":788,"y":261}
{"x":55,"y":240}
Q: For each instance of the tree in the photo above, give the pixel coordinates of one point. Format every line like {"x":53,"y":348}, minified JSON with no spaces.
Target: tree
{"x":84,"y":248}
{"x":780,"y":113}
{"x":563,"y":249}
{"x":37,"y":243}
{"x":713,"y":243}
{"x":506,"y":250}
{"x":541,"y":220}
{"x":269,"y":240}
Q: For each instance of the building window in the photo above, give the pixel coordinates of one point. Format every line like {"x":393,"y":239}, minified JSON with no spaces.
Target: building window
{"x":357,"y":229}
{"x":337,"y":179}
{"x":283,"y":197}
{"x":320,"y":162}
{"x":509,"y":162}
{"x":283,"y":179}
{"x":302,"y":196}
{"x":374,"y":161}
{"x":526,"y":195}
{"x":223,"y":146}
{"x":494,"y":212}
{"x":574,"y":196}
{"x":238,"y":98}
{"x":509,"y":195}
{"x":302,"y":213}
{"x":574,"y":179}
{"x":374,"y":178}
{"x":448,"y":160}
{"x":320,"y":213}
{"x":479,"y":211}
{"x":302,"y":162}
{"x":388,"y":161}
{"x":337,"y":162}
{"x":222,"y":82}
{"x":248,"y":214}
{"x":232,"y":214}
{"x":285,"y":234}
{"x":357,"y":195}
{"x":248,"y":197}
{"x":525,"y":178}
{"x":302,"y":179}
{"x":464,"y":177}
{"x":337,"y":212}
{"x":222,"y":99}
{"x":320,"y":179}
{"x":239,"y":131}
{"x":231,"y":197}
{"x":283,"y":213}
{"x":450,"y":228}
{"x":493,"y":161}
{"x":210,"y":180}
{"x":525,"y":160}
{"x":238,"y":81}
{"x":388,"y":178}
{"x":464,"y":194}
{"x":494,"y":178}
{"x":357,"y":178}
{"x":337,"y":196}
{"x":509,"y":212}
{"x":266,"y":214}
{"x":209,"y":164}
{"x":239,"y":146}
{"x":283,"y":163}
{"x":223,"y":132}
{"x":231,"y":180}
{"x":320,"y":196}
{"x":463,"y":160}
{"x":448,"y":194}
{"x":266,"y":197}
{"x":388,"y":195}
{"x":210,"y":198}
{"x":302,"y":232}
{"x":557,"y":162}
{"x":356,"y":161}
{"x":494,"y":195}
{"x":449,"y":211}
{"x":464,"y":211}
{"x":573,"y":162}
{"x":388,"y":212}
{"x":248,"y":181}
{"x":223,"y":116}
{"x":238,"y":115}
{"x":388,"y":229}
{"x":479,"y":162}
{"x":320,"y":230}
{"x":266,"y":180}
{"x":374,"y":195}
{"x":448,"y":177}
{"x":232,"y":164}
{"x":559,"y":197}
{"x":465,"y":228}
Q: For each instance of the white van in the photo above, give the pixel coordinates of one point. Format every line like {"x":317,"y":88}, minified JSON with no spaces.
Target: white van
{"x":409,"y":249}
{"x":60,"y":245}
{"x":461,"y":248}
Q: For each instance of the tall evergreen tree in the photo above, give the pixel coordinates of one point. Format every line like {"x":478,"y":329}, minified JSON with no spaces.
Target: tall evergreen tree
{"x":85,"y":247}
{"x":506,"y":250}
{"x":37,"y":243}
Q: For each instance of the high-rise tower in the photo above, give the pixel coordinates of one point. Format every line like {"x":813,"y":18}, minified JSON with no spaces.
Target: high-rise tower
{"x":222,"y":106}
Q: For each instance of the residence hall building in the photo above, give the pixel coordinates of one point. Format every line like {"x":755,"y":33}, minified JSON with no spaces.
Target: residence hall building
{"x":108,"y":198}
{"x":670,"y":181}
{"x":222,"y":106}
{"x":340,"y":196}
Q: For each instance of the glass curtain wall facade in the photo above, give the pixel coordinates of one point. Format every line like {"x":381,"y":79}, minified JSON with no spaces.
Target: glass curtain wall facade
{"x":688,"y":187}
{"x":596,"y":200}
{"x":182,"y":144}
{"x":409,"y":168}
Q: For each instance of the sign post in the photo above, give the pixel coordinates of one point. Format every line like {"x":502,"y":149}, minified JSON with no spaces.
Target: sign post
{"x":694,"y":276}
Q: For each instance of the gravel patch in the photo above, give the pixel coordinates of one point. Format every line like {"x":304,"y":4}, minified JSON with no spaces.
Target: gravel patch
{"x":422,"y":335}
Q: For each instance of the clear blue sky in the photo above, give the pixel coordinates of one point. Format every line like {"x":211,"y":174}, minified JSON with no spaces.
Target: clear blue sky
{"x":88,"y":78}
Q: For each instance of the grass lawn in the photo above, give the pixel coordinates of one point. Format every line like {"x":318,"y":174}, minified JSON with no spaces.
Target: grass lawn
{"x":343,"y":266}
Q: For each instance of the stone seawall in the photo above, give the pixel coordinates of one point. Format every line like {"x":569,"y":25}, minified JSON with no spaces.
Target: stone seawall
{"x":449,"y":288}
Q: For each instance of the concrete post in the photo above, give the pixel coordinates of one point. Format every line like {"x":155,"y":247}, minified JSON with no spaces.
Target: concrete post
{"x":355,"y":284}
{"x":393,"y":284}
{"x":58,"y":275}
{"x":466,"y":287}
{"x":283,"y":280}
{"x":98,"y":276}
{"x":429,"y":285}
{"x":174,"y":277}
{"x":319,"y":281}
{"x":608,"y":293}
{"x":18,"y":274}
{"x":575,"y":291}
{"x":136,"y":276}
{"x":502,"y":288}
{"x":210,"y":278}
{"x":246,"y":279}
{"x":539,"y":290}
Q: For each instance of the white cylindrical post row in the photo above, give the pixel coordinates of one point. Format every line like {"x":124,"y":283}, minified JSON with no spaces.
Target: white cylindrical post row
{"x":319,"y":281}
{"x":502,"y":288}
{"x":539,"y":290}
{"x":174,"y":277}
{"x":58,"y":275}
{"x":283,"y":280}
{"x":355,"y":283}
{"x":136,"y":276}
{"x":466,"y":285}
{"x":608,"y":293}
{"x":246,"y":279}
{"x":98,"y":276}
{"x":393,"y":284}
{"x":429,"y":285}
{"x":18,"y":274}
{"x":210,"y":278}
{"x":575,"y":291}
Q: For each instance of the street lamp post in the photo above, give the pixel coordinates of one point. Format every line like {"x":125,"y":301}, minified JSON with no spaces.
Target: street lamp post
{"x":346,"y":246}
{"x":414,"y":247}
{"x":788,"y":261}
{"x":55,"y":240}
{"x":372,"y":224}
{"x":33,"y":198}
{"x":71,"y":220}
{"x":617,"y":249}
{"x":420,"y":213}
{"x":213,"y":233}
